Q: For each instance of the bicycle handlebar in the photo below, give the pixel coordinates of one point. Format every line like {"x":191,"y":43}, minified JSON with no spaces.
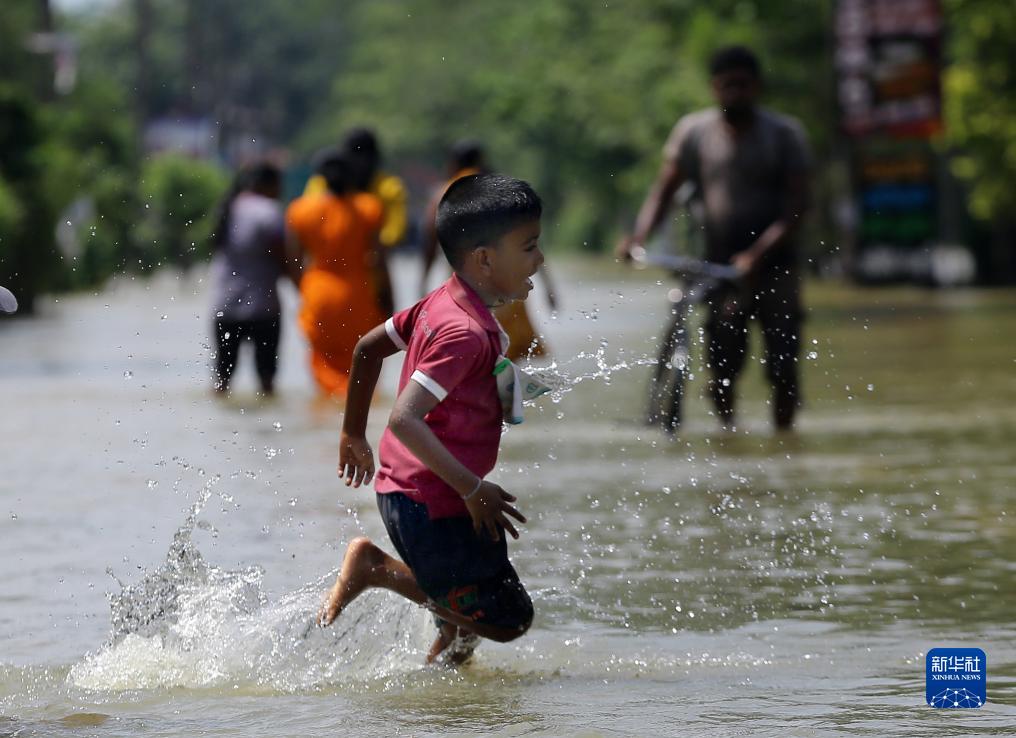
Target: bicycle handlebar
{"x":686,"y":266}
{"x":8,"y":302}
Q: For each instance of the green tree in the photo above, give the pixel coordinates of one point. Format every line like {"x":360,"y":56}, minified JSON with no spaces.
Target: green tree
{"x":179,"y":195}
{"x":980,"y":111}
{"x":576,"y":97}
{"x":28,"y":258}
{"x":10,"y":210}
{"x":92,"y":158}
{"x":258,"y":68}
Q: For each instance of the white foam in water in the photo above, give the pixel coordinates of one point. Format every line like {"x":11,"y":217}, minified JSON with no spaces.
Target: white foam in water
{"x":191,"y":624}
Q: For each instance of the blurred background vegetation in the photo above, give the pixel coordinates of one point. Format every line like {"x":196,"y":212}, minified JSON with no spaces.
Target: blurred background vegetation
{"x":577,"y":97}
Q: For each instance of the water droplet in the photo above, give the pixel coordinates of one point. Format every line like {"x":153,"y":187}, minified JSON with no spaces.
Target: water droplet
{"x":126,"y":375}
{"x":277,"y":426}
{"x":153,"y":483}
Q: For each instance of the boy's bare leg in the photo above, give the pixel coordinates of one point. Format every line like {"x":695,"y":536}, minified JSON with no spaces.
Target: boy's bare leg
{"x":445,"y":635}
{"x":365,"y":565}
{"x":453,"y":645}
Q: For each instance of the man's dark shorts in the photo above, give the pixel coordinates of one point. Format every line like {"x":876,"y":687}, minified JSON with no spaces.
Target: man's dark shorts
{"x":457,"y":568}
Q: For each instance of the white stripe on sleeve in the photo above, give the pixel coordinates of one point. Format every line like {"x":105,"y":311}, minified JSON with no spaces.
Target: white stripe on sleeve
{"x":430,"y":385}
{"x":394,"y":334}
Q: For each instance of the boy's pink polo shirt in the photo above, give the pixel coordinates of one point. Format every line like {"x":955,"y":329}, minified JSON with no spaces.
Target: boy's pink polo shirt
{"x":452,"y":343}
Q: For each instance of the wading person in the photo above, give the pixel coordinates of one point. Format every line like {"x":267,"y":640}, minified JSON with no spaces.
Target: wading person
{"x":447,"y":522}
{"x":363,"y":152}
{"x":246,"y":267}
{"x":344,"y":287}
{"x":749,"y":166}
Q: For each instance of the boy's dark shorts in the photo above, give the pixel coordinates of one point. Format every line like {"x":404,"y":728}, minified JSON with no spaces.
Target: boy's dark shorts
{"x":457,"y":568}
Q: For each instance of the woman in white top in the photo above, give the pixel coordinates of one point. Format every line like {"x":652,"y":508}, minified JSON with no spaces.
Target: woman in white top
{"x":246,"y":268}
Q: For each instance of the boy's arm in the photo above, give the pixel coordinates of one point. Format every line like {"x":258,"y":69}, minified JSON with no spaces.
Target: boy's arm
{"x":356,"y":460}
{"x":487,"y":503}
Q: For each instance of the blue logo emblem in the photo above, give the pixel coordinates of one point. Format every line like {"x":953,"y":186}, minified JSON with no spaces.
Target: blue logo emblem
{"x":956,"y":677}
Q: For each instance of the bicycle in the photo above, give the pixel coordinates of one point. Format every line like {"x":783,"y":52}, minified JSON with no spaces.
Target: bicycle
{"x":703,"y":281}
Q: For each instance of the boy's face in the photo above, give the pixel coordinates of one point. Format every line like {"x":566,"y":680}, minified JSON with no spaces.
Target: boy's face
{"x":514,"y":259}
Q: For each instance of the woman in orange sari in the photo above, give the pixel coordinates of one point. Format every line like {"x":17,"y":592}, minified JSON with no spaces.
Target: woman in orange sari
{"x":344,"y":286}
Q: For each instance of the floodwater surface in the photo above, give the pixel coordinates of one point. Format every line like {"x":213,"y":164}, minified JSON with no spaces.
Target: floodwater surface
{"x":163,"y":552}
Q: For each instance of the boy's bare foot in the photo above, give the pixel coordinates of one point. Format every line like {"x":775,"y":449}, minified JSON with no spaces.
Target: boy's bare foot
{"x":361,"y":559}
{"x":453,"y":646}
{"x":445,"y":635}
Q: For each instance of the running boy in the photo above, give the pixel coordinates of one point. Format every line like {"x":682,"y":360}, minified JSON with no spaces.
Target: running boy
{"x":446,"y":522}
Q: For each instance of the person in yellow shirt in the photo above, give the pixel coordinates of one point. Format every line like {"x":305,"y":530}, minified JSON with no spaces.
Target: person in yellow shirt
{"x":363,"y":154}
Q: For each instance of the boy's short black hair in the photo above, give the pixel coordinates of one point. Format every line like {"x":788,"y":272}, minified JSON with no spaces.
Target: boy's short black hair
{"x":481,"y":208}
{"x":735,"y":58}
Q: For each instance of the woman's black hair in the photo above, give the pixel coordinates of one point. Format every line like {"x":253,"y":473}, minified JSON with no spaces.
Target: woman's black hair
{"x":466,"y":154}
{"x":260,"y":177}
{"x":334,"y":166}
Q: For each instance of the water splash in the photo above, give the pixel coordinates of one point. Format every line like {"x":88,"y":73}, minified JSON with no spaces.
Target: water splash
{"x":563,"y":377}
{"x":191,"y":624}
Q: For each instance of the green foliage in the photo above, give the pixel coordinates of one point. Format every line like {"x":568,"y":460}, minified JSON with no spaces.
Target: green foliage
{"x":179,"y":196}
{"x":18,"y":67}
{"x":980,"y":104}
{"x":27,"y":255}
{"x":10,"y":210}
{"x":258,"y":67}
{"x":94,"y":158}
{"x":575,"y":96}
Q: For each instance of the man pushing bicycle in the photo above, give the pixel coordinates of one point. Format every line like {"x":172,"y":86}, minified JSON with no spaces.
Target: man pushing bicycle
{"x":750,"y":166}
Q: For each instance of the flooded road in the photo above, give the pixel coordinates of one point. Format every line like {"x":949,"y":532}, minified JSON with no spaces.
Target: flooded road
{"x":709,"y":584}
